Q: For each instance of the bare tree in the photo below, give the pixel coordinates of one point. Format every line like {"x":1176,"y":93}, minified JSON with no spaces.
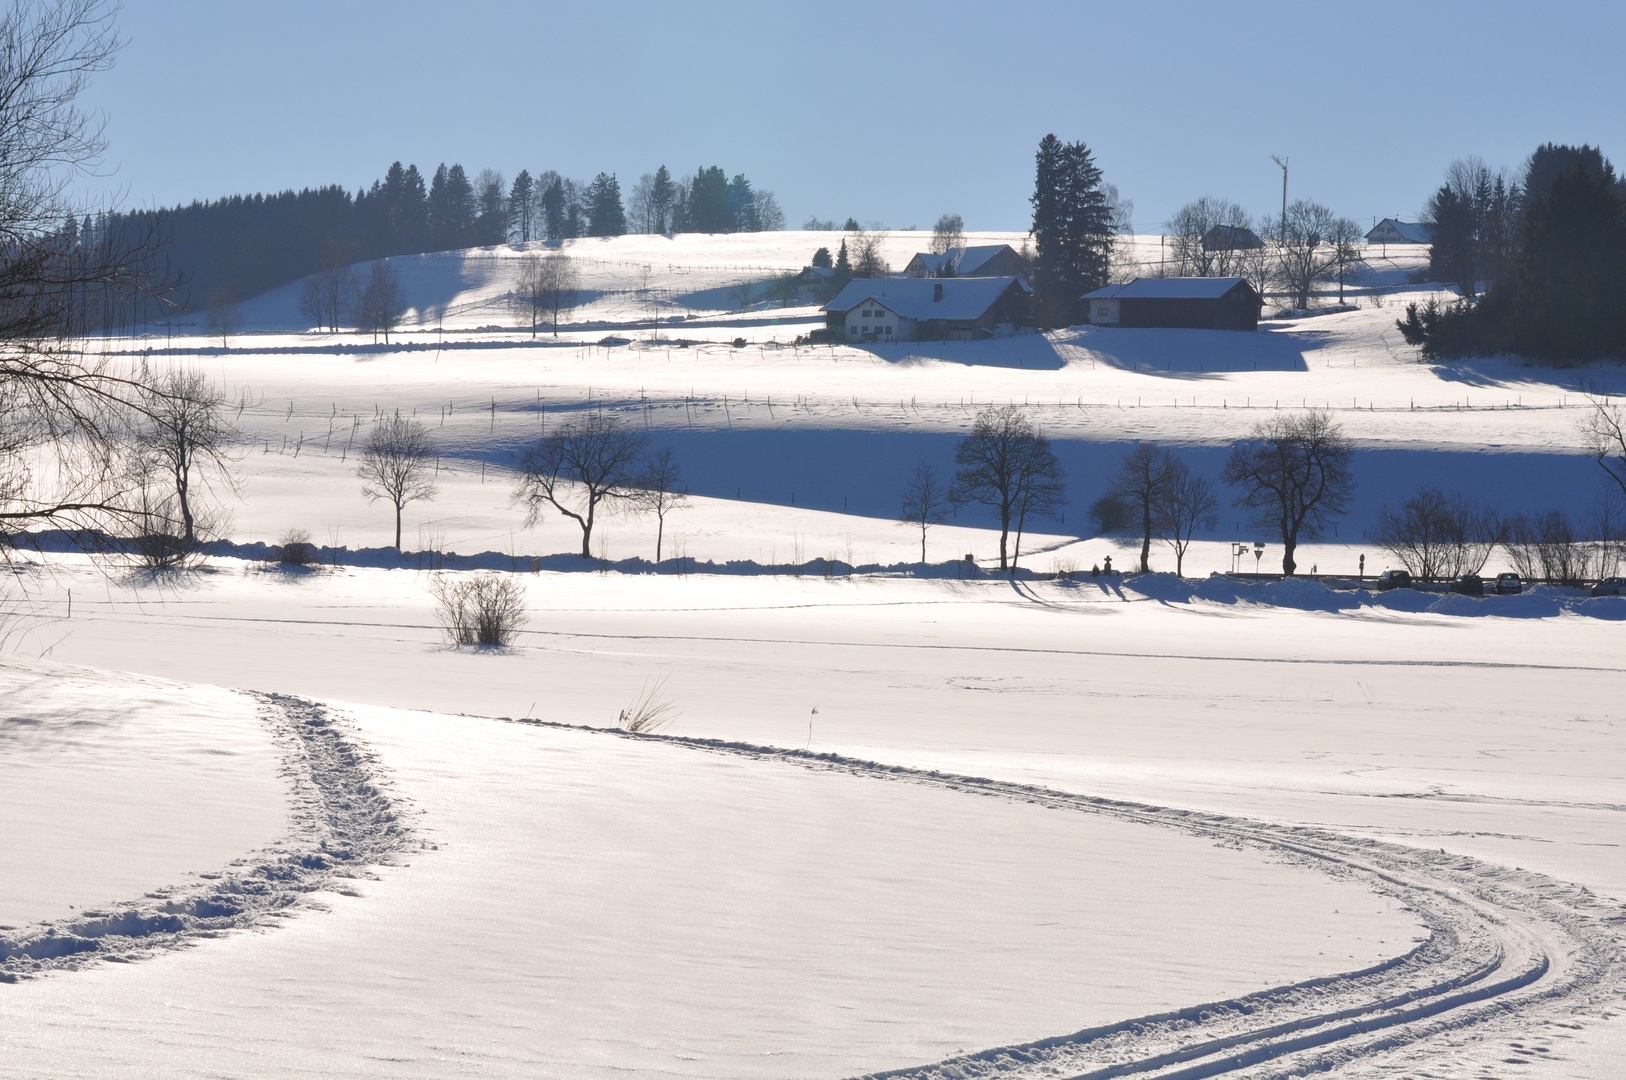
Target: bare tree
{"x":1188,"y":504}
{"x":770,"y":218}
{"x":1307,"y":251}
{"x":483,"y":608}
{"x":660,"y":490}
{"x":67,"y":452}
{"x":589,"y":460}
{"x":1438,"y":536}
{"x":948,"y":234}
{"x":1141,"y":486}
{"x":1548,"y":548}
{"x":327,"y":295}
{"x":223,"y":318}
{"x":1603,"y":430}
{"x":1007,"y":464}
{"x":188,"y":439}
{"x":1293,"y":472}
{"x":382,"y":304}
{"x":1346,"y":239}
{"x":925,"y":502}
{"x":1198,"y":250}
{"x":864,"y":251}
{"x":397,"y":463}
{"x":556,"y":286}
{"x":530,"y":294}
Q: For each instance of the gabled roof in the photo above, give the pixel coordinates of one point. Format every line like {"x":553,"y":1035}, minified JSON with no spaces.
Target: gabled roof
{"x":1173,"y":288}
{"x":823,"y":272}
{"x":963,"y":298}
{"x":1410,"y":231}
{"x":1231,"y":238}
{"x":966,"y":261}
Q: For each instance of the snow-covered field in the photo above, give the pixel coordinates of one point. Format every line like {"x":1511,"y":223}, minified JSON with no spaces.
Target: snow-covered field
{"x":900,"y":819}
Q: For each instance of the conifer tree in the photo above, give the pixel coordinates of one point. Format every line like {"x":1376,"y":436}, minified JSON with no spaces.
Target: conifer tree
{"x":521,"y":206}
{"x":553,"y":208}
{"x":605,"y":212}
{"x":1072,"y":229}
{"x":662,"y":197}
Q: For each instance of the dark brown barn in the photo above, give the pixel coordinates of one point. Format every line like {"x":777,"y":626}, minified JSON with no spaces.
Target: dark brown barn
{"x":1187,"y":303}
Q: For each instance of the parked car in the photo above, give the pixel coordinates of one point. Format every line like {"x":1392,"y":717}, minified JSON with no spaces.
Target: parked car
{"x":1610,"y":586}
{"x":1392,"y":579}
{"x":1469,"y":585}
{"x":1509,"y":584}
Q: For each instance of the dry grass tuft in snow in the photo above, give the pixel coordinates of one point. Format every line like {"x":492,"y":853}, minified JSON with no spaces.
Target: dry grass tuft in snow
{"x":650,"y":712}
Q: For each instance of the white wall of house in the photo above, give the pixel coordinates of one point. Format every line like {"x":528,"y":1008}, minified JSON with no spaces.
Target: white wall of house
{"x":874,"y":322}
{"x":1104,"y":312}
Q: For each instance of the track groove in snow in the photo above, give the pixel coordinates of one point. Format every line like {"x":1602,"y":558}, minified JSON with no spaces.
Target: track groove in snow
{"x":1506,"y":946}
{"x":342,"y":823}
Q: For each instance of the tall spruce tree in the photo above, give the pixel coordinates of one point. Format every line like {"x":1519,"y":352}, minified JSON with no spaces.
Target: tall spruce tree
{"x":1072,"y":229}
{"x":522,"y":207}
{"x":708,"y":210}
{"x":553,"y":208}
{"x":662,"y":199}
{"x":742,"y":206}
{"x":604,"y":210}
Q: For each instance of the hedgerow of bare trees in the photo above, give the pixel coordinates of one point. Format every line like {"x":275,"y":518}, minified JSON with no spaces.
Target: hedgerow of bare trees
{"x":925,"y":502}
{"x":1006,"y":463}
{"x":588,"y":462}
{"x":397,"y":464}
{"x":1438,"y":536}
{"x":1293,"y":473}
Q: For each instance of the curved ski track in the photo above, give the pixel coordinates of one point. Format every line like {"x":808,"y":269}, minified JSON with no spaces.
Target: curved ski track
{"x":1508,"y":951}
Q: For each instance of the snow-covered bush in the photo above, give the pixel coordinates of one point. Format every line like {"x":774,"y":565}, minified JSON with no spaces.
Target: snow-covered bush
{"x":484,"y":608}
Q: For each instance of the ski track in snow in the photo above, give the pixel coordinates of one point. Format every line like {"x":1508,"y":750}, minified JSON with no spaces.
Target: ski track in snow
{"x":342,"y":823}
{"x":1508,"y":951}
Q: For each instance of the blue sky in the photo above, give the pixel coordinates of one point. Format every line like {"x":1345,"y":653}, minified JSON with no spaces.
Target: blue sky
{"x":886,"y":111}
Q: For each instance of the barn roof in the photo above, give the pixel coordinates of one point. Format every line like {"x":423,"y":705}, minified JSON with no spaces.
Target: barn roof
{"x":1410,"y":231}
{"x":963,"y":298}
{"x":1174,"y":288}
{"x":966,"y":261}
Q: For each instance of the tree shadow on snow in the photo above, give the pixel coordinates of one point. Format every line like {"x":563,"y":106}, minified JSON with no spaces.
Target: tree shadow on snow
{"x":1191,"y":354}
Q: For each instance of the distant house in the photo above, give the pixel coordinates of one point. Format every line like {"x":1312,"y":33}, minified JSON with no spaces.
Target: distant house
{"x":1190,"y":303}
{"x":925,"y":309}
{"x":988,"y":260}
{"x":1390,"y":231}
{"x":1231,"y":238}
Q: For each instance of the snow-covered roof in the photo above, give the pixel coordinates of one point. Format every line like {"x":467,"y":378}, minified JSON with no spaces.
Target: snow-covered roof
{"x":962,"y":298}
{"x":1174,"y":288}
{"x":966,"y":261}
{"x":1410,"y":232}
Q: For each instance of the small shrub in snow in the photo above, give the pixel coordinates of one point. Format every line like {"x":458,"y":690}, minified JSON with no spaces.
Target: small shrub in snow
{"x":651,"y":711}
{"x":296,"y":549}
{"x":485,"y":608}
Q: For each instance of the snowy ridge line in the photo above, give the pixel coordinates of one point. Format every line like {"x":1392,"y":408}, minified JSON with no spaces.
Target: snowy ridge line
{"x":341,"y":823}
{"x":1507,"y":949}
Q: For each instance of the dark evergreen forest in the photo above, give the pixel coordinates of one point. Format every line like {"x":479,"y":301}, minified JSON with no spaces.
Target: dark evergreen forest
{"x":242,"y":245}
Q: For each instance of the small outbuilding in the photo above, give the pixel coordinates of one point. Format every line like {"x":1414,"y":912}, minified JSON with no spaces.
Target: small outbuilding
{"x":987,"y":260}
{"x":1191,"y":303}
{"x":1231,"y":238}
{"x":926,"y":309}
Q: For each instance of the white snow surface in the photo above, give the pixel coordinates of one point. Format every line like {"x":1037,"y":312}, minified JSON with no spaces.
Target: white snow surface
{"x":1299,"y":782}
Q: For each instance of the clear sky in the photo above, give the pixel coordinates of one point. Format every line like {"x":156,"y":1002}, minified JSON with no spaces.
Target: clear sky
{"x":888,"y":111}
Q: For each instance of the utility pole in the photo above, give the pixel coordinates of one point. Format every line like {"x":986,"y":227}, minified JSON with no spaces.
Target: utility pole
{"x":1283,"y":239}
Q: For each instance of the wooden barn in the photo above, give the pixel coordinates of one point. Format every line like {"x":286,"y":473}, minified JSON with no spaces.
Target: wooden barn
{"x":1197,"y":303}
{"x":988,"y":260}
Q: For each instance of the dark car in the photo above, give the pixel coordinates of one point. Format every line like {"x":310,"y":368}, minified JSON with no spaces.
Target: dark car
{"x":1469,"y":585}
{"x":1509,"y":584}
{"x":1392,"y":579}
{"x":1610,"y":586}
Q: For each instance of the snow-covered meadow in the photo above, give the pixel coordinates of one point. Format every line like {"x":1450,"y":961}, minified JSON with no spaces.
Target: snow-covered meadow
{"x":901,"y":818}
